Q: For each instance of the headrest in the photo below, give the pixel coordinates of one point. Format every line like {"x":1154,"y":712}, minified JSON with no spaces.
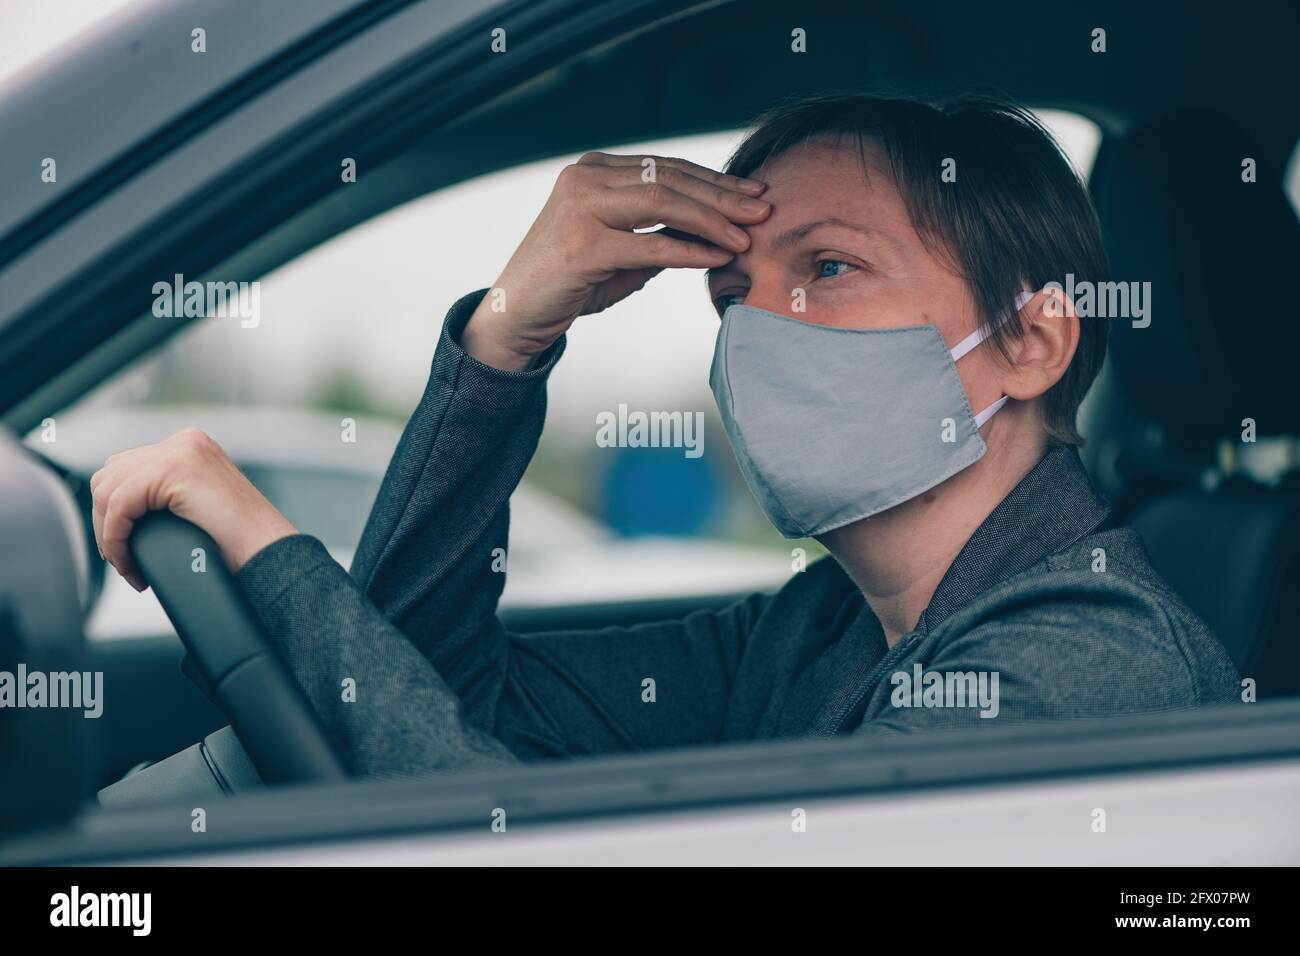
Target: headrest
{"x":1223,"y":342}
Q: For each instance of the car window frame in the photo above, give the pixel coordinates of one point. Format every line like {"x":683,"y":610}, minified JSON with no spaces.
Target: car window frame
{"x":638,"y":786}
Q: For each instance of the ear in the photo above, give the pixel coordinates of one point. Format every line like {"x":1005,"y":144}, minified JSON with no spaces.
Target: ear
{"x":1050,"y":330}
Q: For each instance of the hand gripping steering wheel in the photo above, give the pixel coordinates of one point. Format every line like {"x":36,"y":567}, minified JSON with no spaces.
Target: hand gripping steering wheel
{"x":267,"y":708}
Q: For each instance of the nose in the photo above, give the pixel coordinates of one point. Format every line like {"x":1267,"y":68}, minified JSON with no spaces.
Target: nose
{"x":768,"y":292}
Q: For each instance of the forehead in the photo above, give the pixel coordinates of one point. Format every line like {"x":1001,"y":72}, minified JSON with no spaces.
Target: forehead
{"x":833,"y":177}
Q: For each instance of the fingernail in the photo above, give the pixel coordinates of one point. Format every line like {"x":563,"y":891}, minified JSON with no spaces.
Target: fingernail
{"x":754,"y":205}
{"x":752,"y":186}
{"x":737,"y":235}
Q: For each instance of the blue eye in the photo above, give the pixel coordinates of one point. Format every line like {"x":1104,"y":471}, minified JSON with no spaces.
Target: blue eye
{"x":829,"y":268}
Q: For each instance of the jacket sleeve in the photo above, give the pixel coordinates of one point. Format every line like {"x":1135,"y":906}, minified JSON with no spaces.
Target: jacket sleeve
{"x":439,"y":683}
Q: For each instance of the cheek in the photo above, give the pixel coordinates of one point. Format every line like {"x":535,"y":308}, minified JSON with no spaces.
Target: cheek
{"x":855,"y":309}
{"x":873,"y":302}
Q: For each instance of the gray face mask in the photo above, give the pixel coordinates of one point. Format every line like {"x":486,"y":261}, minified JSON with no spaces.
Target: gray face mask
{"x":832,"y":425}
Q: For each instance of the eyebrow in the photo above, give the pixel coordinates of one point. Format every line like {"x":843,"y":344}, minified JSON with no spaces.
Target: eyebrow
{"x":791,"y":236}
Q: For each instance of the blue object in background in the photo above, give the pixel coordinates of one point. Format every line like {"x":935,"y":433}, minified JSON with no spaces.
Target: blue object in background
{"x":660,"y":491}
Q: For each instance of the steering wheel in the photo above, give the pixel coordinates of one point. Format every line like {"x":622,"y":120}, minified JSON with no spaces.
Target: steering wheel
{"x":267,"y":708}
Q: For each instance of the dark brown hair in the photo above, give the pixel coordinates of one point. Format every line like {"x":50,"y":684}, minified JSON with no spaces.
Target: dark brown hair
{"x":1017,"y":216}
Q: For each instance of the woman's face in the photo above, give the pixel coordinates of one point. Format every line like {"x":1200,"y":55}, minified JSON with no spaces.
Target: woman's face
{"x":850,"y":246}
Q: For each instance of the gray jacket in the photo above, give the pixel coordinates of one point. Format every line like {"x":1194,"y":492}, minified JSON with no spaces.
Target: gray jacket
{"x":1024,"y":626}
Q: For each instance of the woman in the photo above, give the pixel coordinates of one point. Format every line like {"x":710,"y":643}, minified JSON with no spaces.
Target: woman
{"x":899,"y":377}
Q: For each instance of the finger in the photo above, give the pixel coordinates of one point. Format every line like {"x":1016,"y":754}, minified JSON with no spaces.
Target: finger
{"x":672,"y":233}
{"x":95,"y":479}
{"x":99,"y":536}
{"x":739,"y":183}
{"x":735,"y":206}
{"x":688,"y":237}
{"x":635,"y":207}
{"x":659,"y":251}
{"x":101,"y":486}
{"x":98,"y":478}
{"x":123,"y":505}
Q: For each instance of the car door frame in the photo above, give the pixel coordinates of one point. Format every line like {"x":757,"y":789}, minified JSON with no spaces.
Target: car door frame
{"x":1242,"y":747}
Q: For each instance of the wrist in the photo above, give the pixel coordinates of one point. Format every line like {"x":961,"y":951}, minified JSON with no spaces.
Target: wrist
{"x":254,"y":535}
{"x":488,"y":338}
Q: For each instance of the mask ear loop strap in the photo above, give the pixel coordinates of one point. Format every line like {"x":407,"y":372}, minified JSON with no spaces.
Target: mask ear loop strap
{"x":989,"y":412}
{"x":985,"y":330}
{"x":974,"y":339}
{"x":970,"y":341}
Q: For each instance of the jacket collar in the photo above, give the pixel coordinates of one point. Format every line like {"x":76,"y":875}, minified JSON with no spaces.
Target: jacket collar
{"x":1052,"y":507}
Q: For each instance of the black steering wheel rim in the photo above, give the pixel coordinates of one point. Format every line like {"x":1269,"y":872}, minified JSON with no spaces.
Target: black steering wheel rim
{"x":266,"y":706}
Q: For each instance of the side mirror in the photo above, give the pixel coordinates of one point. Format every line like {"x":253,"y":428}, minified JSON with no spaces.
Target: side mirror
{"x":45,"y":694}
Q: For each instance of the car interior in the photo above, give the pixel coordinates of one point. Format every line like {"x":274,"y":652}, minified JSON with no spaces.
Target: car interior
{"x":1224,"y":539}
{"x":1221,"y":519}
